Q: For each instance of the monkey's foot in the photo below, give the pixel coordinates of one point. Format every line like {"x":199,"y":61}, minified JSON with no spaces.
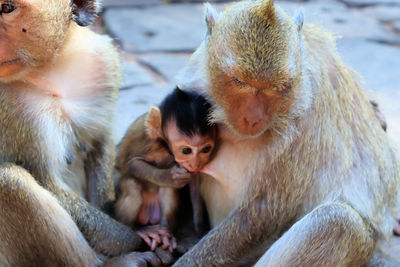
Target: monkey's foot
{"x":155,"y":235}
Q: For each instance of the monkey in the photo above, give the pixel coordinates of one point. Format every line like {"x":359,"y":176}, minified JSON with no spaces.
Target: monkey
{"x":310,"y":178}
{"x":161,"y":152}
{"x":58,"y":86}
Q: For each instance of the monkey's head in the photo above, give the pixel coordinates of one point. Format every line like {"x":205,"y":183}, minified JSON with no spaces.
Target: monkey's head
{"x":254,"y":64}
{"x":182,"y":122}
{"x":32,"y":32}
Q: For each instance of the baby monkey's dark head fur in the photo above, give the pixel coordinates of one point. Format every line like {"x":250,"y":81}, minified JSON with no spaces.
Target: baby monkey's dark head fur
{"x":189,"y":110}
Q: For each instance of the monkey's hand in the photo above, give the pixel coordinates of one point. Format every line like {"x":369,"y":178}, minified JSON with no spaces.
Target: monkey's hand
{"x":155,"y":235}
{"x":180,"y":176}
{"x":175,"y":177}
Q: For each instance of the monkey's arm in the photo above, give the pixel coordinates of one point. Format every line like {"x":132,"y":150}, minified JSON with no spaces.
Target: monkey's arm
{"x":175,"y":177}
{"x":103,"y":233}
{"x":234,"y":238}
{"x":98,"y":169}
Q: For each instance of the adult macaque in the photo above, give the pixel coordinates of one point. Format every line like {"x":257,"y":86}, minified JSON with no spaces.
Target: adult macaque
{"x":311,"y":179}
{"x":58,"y":84}
{"x":162,"y":151}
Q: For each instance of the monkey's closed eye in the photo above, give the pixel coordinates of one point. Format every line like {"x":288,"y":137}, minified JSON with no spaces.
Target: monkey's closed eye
{"x":238,"y":81}
{"x":7,"y":8}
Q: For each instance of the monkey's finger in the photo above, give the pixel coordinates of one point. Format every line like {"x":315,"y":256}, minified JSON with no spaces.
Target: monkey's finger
{"x":145,"y":238}
{"x":155,"y":236}
{"x":153,"y":245}
{"x":171,"y":246}
{"x":165,"y":242}
{"x":164,"y":232}
{"x":174,"y":243}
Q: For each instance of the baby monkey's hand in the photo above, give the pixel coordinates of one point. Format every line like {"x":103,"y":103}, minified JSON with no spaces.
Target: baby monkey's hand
{"x":180,"y":176}
{"x":155,"y":235}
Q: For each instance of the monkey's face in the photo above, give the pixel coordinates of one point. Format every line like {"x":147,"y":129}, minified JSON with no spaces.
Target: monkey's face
{"x":32,"y":32}
{"x":249,"y":105}
{"x":253,"y":58}
{"x":191,"y":152}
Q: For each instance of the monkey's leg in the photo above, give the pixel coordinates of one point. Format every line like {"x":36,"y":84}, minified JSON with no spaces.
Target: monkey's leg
{"x":169,"y":206}
{"x":130,"y":201}
{"x":34,"y":229}
{"x":331,"y":235}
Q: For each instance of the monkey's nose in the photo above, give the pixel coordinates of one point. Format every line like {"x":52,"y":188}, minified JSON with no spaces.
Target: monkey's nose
{"x":253,"y":125}
{"x":195,"y":167}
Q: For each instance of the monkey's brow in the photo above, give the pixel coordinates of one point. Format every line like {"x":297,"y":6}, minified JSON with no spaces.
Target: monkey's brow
{"x":9,"y":2}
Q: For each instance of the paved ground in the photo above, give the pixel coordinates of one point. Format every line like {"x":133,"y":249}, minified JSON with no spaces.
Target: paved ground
{"x":156,"y":40}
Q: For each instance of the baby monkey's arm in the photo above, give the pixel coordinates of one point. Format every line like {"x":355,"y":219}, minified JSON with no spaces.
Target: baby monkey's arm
{"x":175,"y":177}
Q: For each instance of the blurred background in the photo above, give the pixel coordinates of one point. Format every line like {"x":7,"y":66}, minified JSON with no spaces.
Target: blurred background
{"x":156,"y":38}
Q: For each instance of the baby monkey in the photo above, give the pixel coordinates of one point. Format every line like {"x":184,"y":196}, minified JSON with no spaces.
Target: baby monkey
{"x":162,"y":151}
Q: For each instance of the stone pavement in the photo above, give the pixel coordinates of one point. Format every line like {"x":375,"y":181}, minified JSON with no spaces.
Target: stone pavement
{"x":156,"y":40}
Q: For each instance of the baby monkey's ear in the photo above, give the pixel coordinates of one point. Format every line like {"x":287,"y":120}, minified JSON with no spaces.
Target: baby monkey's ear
{"x":153,"y":123}
{"x":84,"y":12}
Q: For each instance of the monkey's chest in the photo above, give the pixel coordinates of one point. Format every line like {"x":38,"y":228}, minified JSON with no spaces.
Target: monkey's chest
{"x":64,"y":130}
{"x":228,"y":180}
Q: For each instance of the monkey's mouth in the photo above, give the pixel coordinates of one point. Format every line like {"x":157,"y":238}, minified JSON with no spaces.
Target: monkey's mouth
{"x":8,"y":62}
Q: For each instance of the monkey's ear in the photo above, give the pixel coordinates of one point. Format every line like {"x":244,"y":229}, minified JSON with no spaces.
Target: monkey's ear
{"x":153,"y":123}
{"x":84,"y":12}
{"x":211,"y":16}
{"x":299,"y":20}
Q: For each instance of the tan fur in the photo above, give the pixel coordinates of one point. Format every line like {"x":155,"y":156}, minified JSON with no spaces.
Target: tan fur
{"x":20,"y":191}
{"x":128,"y":205}
{"x":58,"y":85}
{"x":141,"y":145}
{"x":320,"y":166}
{"x":169,"y":206}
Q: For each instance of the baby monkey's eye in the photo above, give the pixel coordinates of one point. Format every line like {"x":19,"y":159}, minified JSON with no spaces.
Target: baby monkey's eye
{"x":186,"y":150}
{"x":206,"y":149}
{"x":7,"y":8}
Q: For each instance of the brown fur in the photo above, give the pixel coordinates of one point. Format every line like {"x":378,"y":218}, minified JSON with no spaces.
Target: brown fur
{"x":144,"y":164}
{"x":316,"y":183}
{"x":58,"y":85}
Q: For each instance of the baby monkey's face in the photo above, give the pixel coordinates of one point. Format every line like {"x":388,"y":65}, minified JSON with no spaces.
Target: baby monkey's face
{"x":191,"y":152}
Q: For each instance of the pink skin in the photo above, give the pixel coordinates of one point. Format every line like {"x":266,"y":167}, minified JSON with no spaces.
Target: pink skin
{"x":155,"y":235}
{"x":150,"y":213}
{"x":193,"y":152}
